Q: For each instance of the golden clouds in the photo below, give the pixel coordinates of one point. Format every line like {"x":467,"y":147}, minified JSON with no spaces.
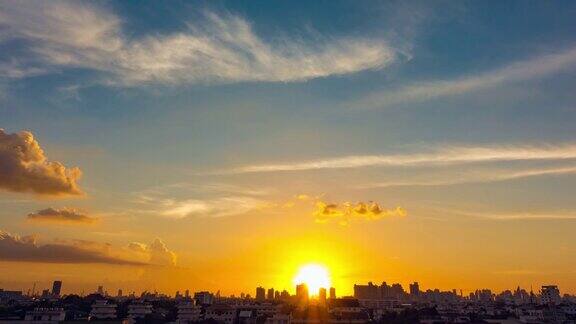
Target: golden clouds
{"x":347,"y":212}
{"x":25,"y":168}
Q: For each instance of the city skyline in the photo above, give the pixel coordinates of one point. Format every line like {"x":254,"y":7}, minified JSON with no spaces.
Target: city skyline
{"x":225,"y":145}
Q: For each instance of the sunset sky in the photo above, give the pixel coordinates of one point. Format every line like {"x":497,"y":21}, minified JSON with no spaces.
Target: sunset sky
{"x":222,"y":145}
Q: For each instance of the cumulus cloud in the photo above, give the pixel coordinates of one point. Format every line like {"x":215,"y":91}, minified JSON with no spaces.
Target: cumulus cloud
{"x":26,"y":249}
{"x":346,"y":213}
{"x":61,"y":216}
{"x":157,"y":253}
{"x":537,"y":67}
{"x":215,"y":49}
{"x":25,"y":168}
{"x":442,"y":156}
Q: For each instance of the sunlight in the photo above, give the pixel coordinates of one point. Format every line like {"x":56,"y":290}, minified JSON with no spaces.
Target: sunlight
{"x":315,"y":276}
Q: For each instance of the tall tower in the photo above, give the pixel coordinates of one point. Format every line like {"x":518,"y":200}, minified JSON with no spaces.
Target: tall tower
{"x":302,"y":293}
{"x":260,"y":293}
{"x":322,"y":296}
{"x":56,"y":288}
{"x":332,"y":293}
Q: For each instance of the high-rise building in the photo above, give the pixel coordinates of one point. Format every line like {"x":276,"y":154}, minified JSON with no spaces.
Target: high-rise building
{"x":260,"y":293}
{"x":302,"y":293}
{"x":119,"y":293}
{"x":322,"y":296}
{"x":550,"y":295}
{"x":332,"y":293}
{"x":100,"y":290}
{"x":276,"y":294}
{"x":56,"y":288}
{"x":270,"y":294}
{"x":414,"y":289}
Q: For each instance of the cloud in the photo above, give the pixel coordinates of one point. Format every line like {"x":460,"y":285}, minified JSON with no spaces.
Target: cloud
{"x":510,"y":216}
{"x":61,"y":216}
{"x":157,"y":253}
{"x":215,"y":49}
{"x":442,"y":156}
{"x":537,"y":67}
{"x":25,"y":249}
{"x":25,"y":168}
{"x":483,"y":177}
{"x":346,"y":213}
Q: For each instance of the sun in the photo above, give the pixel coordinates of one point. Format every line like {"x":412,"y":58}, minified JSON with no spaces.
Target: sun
{"x":315,"y":276}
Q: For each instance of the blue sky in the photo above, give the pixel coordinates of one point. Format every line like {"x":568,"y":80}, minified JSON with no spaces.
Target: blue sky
{"x":461,"y":113}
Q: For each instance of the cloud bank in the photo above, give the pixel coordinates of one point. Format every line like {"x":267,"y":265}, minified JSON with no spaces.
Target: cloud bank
{"x":26,"y":249}
{"x":215,"y":49}
{"x":25,"y":168}
{"x":61,"y":216}
{"x":535,"y":68}
{"x":442,"y":156}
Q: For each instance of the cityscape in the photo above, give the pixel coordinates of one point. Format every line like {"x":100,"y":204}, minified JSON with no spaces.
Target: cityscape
{"x":287,"y":161}
{"x":370,"y":303}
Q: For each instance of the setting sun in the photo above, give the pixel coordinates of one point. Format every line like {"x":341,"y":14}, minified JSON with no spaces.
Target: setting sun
{"x":315,"y":276}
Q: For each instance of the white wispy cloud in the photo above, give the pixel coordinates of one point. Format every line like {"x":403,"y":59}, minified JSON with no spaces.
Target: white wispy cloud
{"x":442,"y":156}
{"x":534,"y":68}
{"x":216,"y":49}
{"x":482,"y":177}
{"x":509,"y":216}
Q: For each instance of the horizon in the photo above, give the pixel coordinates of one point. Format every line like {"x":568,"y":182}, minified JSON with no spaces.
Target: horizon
{"x":225,"y":145}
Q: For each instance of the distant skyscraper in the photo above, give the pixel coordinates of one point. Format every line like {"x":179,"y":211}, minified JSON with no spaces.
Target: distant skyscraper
{"x":100,"y":290}
{"x":260,"y":293}
{"x":550,"y":295}
{"x":276,"y":294}
{"x":322,"y":296}
{"x":332,"y":293}
{"x":302,"y":293}
{"x":414,"y":289}
{"x":270,"y":294}
{"x":56,"y":288}
{"x":119,"y":293}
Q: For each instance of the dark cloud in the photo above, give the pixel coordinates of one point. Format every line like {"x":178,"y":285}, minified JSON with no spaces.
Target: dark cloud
{"x":25,"y":168}
{"x":64,"y":215}
{"x":26,"y":249}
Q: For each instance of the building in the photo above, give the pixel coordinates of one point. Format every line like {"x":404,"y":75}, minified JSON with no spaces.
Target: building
{"x":332,"y":293}
{"x":100,"y":290}
{"x":260,"y":293}
{"x":322,"y":296}
{"x":270,"y":294}
{"x":222,"y":313}
{"x":138,"y":311}
{"x":45,"y":315}
{"x":188,"y":312}
{"x":369,"y":291}
{"x":302,"y":293}
{"x":203,"y":298}
{"x":56,"y":288}
{"x":414,"y":290}
{"x":101,"y":309}
{"x":550,"y":295}
{"x":279,"y":319}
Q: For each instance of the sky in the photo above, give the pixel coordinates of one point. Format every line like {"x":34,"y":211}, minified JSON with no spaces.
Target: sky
{"x":222,"y":145}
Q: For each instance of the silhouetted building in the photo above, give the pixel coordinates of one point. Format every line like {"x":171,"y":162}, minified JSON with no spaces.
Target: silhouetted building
{"x":302,"y":293}
{"x":414,"y":289}
{"x":270,"y":294}
{"x":260,"y":293}
{"x":203,"y":298}
{"x":332,"y":293}
{"x":322,"y":296}
{"x":550,"y":295}
{"x":56,"y":288}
